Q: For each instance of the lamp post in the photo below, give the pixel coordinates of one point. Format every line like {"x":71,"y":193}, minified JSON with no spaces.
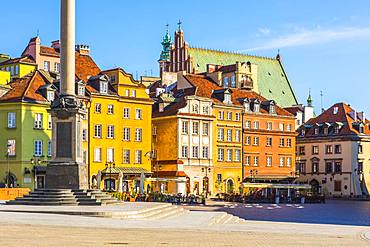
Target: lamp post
{"x":35,"y":162}
{"x":206,"y":170}
{"x":157,"y":167}
{"x":110,"y":165}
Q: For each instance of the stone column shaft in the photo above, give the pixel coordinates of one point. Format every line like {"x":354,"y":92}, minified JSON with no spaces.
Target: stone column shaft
{"x":67,"y":38}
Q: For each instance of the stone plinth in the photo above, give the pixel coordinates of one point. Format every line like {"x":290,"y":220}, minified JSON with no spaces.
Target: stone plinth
{"x":66,"y":176}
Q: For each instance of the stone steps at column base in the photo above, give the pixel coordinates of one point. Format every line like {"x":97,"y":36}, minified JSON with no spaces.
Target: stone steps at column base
{"x":226,"y":218}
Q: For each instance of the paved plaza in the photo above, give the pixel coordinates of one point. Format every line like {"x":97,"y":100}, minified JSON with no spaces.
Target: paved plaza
{"x":266,"y":225}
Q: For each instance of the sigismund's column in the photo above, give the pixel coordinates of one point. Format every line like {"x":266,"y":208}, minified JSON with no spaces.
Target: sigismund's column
{"x":67,"y":169}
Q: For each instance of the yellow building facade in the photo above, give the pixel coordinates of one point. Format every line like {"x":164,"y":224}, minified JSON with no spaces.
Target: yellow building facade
{"x":119,"y":134}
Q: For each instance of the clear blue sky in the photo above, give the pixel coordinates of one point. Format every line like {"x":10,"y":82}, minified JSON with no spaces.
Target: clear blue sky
{"x":325,"y":45}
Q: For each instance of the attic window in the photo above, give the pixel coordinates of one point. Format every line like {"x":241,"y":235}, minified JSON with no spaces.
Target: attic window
{"x":103,"y":87}
{"x":316,"y":130}
{"x":50,"y":95}
{"x":272,"y":109}
{"x":336,"y":130}
{"x":256,"y":107}
{"x":81,"y":91}
{"x":227,"y":98}
{"x":195,"y":108}
{"x":303,"y":132}
{"x":335,"y":110}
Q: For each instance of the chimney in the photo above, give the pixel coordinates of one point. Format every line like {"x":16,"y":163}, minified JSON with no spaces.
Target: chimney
{"x":83,"y":49}
{"x":56,"y":44}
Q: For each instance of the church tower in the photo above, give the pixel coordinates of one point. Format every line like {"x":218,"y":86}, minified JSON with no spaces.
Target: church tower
{"x":164,"y":59}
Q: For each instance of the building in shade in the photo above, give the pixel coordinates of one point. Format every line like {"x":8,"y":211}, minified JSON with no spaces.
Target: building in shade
{"x":266,"y":76}
{"x":333,"y":152}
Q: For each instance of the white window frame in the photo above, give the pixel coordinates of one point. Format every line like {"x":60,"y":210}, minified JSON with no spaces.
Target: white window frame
{"x":138,"y":134}
{"x":38,"y":121}
{"x":126,"y":113}
{"x":126,"y":134}
{"x":11,"y":120}
{"x":37,"y":148}
{"x":126,"y":156}
{"x":98,"y":130}
{"x":97,"y":154}
{"x":110,"y":131}
{"x":138,"y":157}
{"x":138,"y":114}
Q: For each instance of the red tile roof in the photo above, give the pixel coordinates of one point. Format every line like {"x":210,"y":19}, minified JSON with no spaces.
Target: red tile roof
{"x":85,"y":67}
{"x":49,"y":51}
{"x":337,"y":113}
{"x":26,"y":89}
{"x":24,"y":59}
{"x":205,"y":87}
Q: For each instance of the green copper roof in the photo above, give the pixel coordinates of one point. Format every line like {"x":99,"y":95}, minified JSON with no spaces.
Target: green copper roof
{"x":272,"y":80}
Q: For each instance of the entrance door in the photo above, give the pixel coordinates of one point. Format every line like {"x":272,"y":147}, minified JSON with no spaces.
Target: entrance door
{"x":40,"y":182}
{"x":205,"y":186}
{"x":196,"y":188}
{"x":315,"y":187}
{"x":230,"y":186}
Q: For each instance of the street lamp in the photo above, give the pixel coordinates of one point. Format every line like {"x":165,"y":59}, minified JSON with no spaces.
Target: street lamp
{"x":110,"y":164}
{"x":7,"y":158}
{"x":35,"y":162}
{"x":206,"y":170}
{"x":157,"y":167}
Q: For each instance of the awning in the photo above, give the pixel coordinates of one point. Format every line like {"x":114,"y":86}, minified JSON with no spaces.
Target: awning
{"x":169,"y":174}
{"x":126,"y":170}
{"x":176,"y":180}
{"x":277,"y":186}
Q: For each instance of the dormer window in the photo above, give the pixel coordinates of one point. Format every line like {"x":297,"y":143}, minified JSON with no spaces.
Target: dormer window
{"x":195,"y":108}
{"x":361,"y":128}
{"x":226,"y":82}
{"x":233,"y":82}
{"x":303,"y":132}
{"x":81,"y":90}
{"x":103,"y":87}
{"x":336,"y":130}
{"x":272,"y":109}
{"x":316,"y":131}
{"x":256,"y":107}
{"x":247,"y":106}
{"x":205,"y":110}
{"x":50,"y":95}
{"x":326,"y":130}
{"x":113,"y":79}
{"x":227,"y":98}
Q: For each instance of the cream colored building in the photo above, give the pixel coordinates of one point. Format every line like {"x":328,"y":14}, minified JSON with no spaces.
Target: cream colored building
{"x":333,"y":152}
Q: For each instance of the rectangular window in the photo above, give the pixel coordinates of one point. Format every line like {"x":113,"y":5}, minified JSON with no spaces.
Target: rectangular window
{"x":282,"y":142}
{"x":247,"y":124}
{"x":338,"y":149}
{"x":98,"y":131}
{"x":220,"y":154}
{"x":138,"y":134}
{"x":337,"y":185}
{"x":237,"y":155}
{"x":289,"y":127}
{"x":205,"y":152}
{"x":268,"y":161}
{"x":103,"y":87}
{"x":269,"y":142}
{"x":185,"y":127}
{"x":126,"y":134}
{"x":237,"y":135}
{"x":127,"y":92}
{"x":255,"y":141}
{"x":229,"y":155}
{"x":301,"y":150}
{"x":11,"y":147}
{"x":248,"y":160}
{"x":84,"y":135}
{"x":288,"y":161}
{"x":315,"y":149}
{"x":338,"y":167}
{"x":97,"y":154}
{"x":248,"y":140}
{"x":97,"y":108}
{"x":133,"y":93}
{"x":50,"y":123}
{"x":205,"y":129}
{"x":281,"y":161}
{"x":229,"y":116}
{"x":110,"y":109}
{"x":289,"y":142}
{"x":195,"y":128}
{"x":281,"y":127}
{"x":50,"y":95}
{"x":49,"y":148}
{"x":110,"y":154}
{"x":220,"y":134}
{"x":360,"y":149}
{"x":221,"y":115}
{"x":329,"y":167}
{"x":57,"y":67}
{"x":46,"y":65}
{"x":256,"y":125}
{"x":237,"y":116}
{"x":195,"y":153}
{"x":126,"y":113}
{"x":269,"y":125}
{"x":110,"y":133}
{"x":328,"y":149}
{"x":38,"y":121}
{"x":126,"y":156}
{"x":11,"y":120}
{"x":184,"y":152}
{"x":154,"y":131}
{"x":37,"y":148}
{"x":229,"y":135}
{"x":315,"y":167}
{"x":255,"y":160}
{"x":219,"y":178}
{"x":138,"y":114}
{"x":138,"y":158}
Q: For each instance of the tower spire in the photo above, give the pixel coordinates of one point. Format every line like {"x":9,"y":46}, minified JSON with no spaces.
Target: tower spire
{"x":166,"y":46}
{"x":309,"y":99}
{"x":179,"y":26}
